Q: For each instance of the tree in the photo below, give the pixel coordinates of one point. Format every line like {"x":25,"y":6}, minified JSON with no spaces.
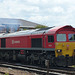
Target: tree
{"x":40,"y":26}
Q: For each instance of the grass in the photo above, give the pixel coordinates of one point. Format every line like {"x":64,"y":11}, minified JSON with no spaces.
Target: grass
{"x":6,"y":74}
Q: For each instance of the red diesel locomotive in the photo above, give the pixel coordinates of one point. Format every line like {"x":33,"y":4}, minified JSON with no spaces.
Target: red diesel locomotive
{"x":56,"y":44}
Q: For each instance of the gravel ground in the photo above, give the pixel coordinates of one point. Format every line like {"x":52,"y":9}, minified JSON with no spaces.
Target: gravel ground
{"x":15,"y":72}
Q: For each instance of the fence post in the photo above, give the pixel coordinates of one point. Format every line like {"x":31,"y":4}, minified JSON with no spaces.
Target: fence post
{"x":47,"y":65}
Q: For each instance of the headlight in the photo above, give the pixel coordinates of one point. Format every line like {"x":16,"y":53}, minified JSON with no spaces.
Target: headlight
{"x":59,"y":50}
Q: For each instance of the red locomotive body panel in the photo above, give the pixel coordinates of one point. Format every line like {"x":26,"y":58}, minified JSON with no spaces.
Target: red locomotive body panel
{"x":15,"y":42}
{"x":18,"y":42}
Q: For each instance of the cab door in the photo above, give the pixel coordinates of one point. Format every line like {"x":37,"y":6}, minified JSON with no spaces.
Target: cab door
{"x":49,"y":41}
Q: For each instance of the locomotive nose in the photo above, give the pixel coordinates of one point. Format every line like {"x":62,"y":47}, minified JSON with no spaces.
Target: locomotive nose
{"x":65,"y":49}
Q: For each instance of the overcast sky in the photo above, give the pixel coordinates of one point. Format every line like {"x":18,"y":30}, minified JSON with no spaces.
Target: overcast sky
{"x":46,"y":12}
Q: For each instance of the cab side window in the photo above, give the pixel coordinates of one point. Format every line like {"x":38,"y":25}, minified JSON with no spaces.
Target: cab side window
{"x":50,"y":38}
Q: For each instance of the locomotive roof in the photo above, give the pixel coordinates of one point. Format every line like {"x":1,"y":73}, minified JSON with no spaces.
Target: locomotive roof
{"x":53,"y":30}
{"x":19,"y":33}
{"x":49,"y":30}
{"x":60,"y":28}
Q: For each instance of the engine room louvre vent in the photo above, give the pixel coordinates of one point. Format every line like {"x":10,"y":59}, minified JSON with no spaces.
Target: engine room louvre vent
{"x":3,"y":43}
{"x":36,"y":43}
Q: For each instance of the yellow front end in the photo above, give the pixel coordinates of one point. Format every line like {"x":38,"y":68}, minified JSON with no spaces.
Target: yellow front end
{"x":65,"y":53}
{"x":65,"y":49}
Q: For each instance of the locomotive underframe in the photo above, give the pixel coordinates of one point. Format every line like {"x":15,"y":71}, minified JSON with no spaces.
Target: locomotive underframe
{"x":35,"y":57}
{"x":27,"y":56}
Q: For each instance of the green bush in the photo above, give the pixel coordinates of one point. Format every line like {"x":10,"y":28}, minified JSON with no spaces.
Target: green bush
{"x":40,"y":26}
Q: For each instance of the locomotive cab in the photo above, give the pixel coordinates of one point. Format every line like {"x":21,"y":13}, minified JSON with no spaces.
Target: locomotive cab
{"x":65,"y":47}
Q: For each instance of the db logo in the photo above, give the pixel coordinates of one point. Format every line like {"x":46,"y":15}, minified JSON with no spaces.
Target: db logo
{"x":13,"y":41}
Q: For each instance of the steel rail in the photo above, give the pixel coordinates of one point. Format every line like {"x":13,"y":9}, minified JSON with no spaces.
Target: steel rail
{"x":39,"y":70}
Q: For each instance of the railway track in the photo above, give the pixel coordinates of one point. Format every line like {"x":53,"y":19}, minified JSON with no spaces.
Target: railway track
{"x":39,"y":70}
